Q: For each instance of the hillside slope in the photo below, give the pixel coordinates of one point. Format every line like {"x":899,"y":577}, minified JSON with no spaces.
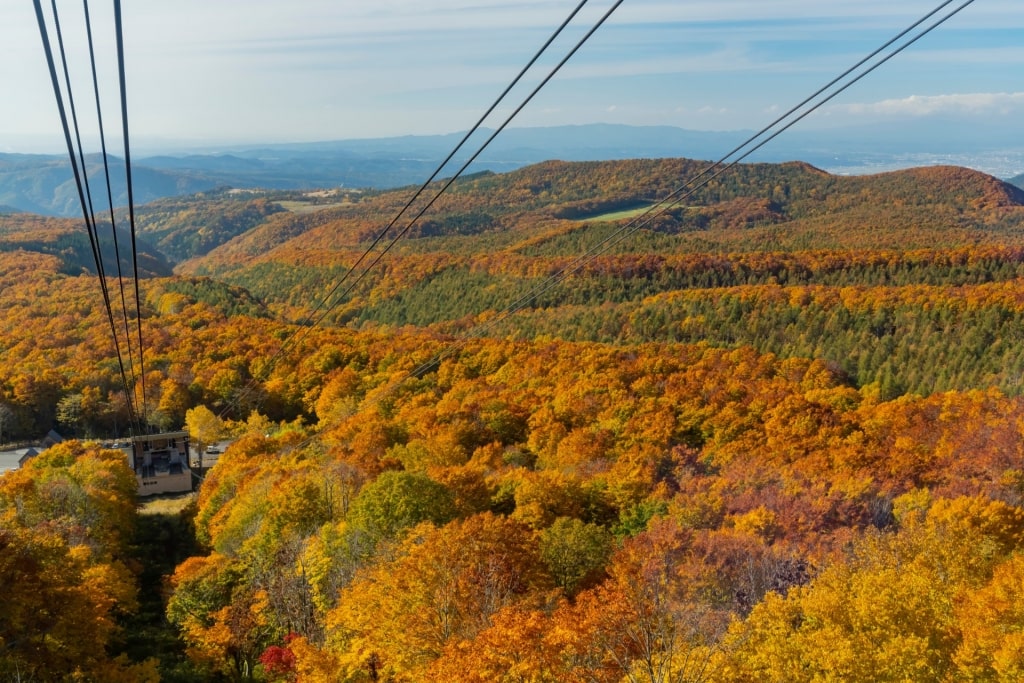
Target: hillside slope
{"x":906,"y":280}
{"x":779,"y":429}
{"x":534,"y":219}
{"x":68,"y":240}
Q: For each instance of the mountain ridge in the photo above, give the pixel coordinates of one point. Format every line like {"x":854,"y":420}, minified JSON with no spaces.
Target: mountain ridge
{"x":537,"y":219}
{"x":43,"y":183}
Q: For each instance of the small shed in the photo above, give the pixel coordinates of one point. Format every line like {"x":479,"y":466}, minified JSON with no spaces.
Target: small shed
{"x":26,"y":456}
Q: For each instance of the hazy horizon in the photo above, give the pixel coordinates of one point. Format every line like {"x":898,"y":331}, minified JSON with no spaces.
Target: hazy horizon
{"x":204,"y":75}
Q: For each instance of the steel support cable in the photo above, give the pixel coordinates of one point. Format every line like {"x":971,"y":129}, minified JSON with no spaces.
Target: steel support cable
{"x":675,"y":196}
{"x":479,"y":151}
{"x":309,"y":320}
{"x":110,"y":198}
{"x":94,"y":237}
{"x":88,"y":211}
{"x":131,"y":199}
{"x":310,"y":317}
{"x":90,"y":221}
{"x":44,"y":36}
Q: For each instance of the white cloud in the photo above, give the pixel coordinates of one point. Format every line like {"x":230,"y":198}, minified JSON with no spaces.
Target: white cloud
{"x":324,"y":68}
{"x":973,"y":104}
{"x":877,"y":13}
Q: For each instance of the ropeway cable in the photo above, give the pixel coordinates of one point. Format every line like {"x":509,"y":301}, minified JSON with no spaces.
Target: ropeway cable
{"x":131,"y":199}
{"x":85,"y":204}
{"x":110,"y":198}
{"x":677,"y":195}
{"x":479,"y":151}
{"x":309,"y":319}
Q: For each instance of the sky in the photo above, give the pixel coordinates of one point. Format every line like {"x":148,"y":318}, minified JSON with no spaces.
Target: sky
{"x":202,"y":73}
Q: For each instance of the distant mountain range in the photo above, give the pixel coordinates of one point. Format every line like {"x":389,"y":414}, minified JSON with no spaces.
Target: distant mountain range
{"x":44,"y":184}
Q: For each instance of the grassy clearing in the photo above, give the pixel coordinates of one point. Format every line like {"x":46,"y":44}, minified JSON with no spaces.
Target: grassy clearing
{"x":618,"y":215}
{"x":165,"y":505}
{"x":300,"y":207}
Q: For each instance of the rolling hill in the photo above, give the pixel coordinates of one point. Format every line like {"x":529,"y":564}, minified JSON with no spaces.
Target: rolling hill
{"x":768,"y":256}
{"x":541,"y":216}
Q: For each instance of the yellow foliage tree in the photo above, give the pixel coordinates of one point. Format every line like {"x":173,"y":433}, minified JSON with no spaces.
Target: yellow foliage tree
{"x":398,"y":617}
{"x":204,"y":427}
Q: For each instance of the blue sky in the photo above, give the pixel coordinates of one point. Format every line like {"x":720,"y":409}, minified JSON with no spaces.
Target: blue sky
{"x":209,"y":72}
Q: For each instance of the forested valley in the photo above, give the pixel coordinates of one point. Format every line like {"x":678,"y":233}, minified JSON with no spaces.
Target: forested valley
{"x":773,"y":433}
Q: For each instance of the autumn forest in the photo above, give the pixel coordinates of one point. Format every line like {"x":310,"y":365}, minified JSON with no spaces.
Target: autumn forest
{"x":773,"y":433}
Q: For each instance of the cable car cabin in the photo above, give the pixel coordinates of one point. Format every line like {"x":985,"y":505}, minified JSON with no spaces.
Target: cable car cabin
{"x":161,"y":463}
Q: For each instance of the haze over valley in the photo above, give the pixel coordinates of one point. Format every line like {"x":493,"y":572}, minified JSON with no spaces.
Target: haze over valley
{"x":44,"y":184}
